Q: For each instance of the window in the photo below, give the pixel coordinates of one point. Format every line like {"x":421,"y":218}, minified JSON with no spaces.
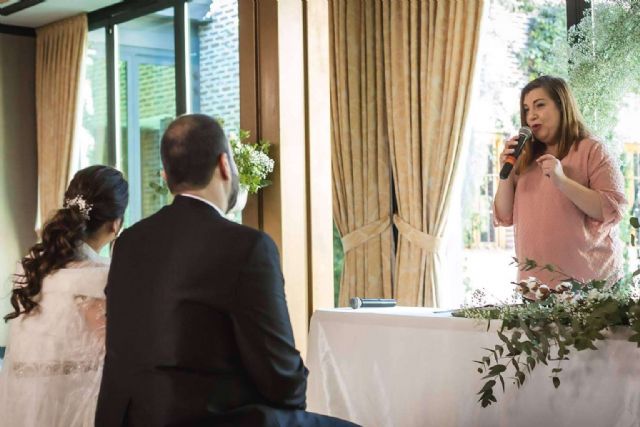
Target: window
{"x":147,"y":105}
{"x":523,"y":40}
{"x":148,"y":94}
{"x":92,"y":147}
{"x":215,"y":61}
{"x":526,"y":39}
{"x":215,"y":64}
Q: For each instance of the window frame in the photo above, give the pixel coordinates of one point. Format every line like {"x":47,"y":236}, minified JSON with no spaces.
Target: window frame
{"x":109,"y":18}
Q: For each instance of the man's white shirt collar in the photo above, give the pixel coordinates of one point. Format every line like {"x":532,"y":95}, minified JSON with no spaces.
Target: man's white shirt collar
{"x":203,"y":200}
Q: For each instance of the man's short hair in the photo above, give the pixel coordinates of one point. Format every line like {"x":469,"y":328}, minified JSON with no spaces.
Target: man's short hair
{"x":190,"y":149}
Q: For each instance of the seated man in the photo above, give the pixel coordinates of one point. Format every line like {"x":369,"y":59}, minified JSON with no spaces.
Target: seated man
{"x":198,"y":331}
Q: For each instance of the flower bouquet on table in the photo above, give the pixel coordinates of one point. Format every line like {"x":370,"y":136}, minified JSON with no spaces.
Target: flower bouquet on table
{"x":549,"y":323}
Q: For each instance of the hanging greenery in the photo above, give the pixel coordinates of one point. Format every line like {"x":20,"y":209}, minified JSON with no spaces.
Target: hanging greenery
{"x":600,"y":56}
{"x":604,"y":61}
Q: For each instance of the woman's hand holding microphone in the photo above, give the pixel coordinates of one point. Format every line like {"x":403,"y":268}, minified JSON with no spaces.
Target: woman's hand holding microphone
{"x":507,"y":156}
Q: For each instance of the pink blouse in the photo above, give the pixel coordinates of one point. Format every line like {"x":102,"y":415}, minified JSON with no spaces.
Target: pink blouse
{"x":550,"y":229}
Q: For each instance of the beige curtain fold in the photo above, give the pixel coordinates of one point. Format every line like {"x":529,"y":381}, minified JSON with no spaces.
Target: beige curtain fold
{"x":360,"y":150}
{"x":59,"y":51}
{"x":430,"y":51}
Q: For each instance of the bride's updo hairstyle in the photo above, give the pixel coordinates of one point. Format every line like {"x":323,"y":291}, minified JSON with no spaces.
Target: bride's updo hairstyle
{"x":95,"y":196}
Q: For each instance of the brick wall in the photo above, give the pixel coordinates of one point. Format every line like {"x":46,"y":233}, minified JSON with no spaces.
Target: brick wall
{"x":156,"y":91}
{"x":220,"y":65}
{"x":156,"y":104}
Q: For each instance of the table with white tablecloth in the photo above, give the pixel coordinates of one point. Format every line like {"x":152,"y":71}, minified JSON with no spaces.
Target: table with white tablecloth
{"x":406,"y":366}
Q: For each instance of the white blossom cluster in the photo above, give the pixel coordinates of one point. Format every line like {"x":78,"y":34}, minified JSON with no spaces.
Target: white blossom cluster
{"x":251,"y":160}
{"x":262,"y":162}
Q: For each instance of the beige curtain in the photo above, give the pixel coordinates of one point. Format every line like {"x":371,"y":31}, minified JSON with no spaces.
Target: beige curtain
{"x":59,"y":51}
{"x":430,"y":54}
{"x":360,"y":149}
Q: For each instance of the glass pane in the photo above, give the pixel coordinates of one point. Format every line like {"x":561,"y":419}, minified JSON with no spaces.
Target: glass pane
{"x":520,"y":40}
{"x":215,"y":60}
{"x":147,"y":88}
{"x":611,"y":103}
{"x":91,"y":135}
{"x":215,"y":63}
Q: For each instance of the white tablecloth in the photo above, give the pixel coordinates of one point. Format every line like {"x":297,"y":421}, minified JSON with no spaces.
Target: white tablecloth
{"x":410,"y":367}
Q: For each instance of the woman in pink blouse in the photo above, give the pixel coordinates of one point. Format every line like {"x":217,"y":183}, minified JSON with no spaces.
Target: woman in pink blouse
{"x":566,"y":197}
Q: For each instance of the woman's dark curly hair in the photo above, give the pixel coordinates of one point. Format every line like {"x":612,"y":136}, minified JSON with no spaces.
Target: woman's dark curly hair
{"x":107,"y":192}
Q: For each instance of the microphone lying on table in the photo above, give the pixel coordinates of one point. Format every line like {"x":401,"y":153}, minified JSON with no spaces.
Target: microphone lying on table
{"x":357,"y":302}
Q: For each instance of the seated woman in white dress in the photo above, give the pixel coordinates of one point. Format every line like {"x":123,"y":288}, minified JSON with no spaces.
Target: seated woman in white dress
{"x":52,"y":368}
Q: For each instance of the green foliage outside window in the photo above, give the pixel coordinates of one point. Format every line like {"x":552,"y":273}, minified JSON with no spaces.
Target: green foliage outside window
{"x":338,"y":263}
{"x":605,"y":61}
{"x":602,"y":62}
{"x":547,"y":49}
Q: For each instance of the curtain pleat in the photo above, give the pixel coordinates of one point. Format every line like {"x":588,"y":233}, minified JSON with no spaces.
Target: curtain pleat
{"x":401,"y":83}
{"x":431,"y":48}
{"x":59,"y":51}
{"x":360,"y":150}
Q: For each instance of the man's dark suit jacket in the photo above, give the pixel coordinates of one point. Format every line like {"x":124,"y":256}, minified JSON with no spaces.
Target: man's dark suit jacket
{"x":198,"y":331}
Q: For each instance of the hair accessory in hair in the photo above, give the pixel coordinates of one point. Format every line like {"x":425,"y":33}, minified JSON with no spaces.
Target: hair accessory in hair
{"x":80,"y":203}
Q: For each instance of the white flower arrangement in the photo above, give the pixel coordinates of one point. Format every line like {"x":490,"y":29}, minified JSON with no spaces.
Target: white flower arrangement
{"x":252,"y":160}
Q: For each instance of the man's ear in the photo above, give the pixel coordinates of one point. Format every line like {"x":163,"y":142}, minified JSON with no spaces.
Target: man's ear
{"x":224,"y":166}
{"x":163,"y":174}
{"x":115,"y":226}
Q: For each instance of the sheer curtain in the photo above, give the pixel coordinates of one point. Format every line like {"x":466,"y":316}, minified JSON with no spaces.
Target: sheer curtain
{"x":59,"y":51}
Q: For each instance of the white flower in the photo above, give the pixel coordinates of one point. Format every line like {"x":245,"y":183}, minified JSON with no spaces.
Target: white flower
{"x":564,"y":286}
{"x":565,"y":297}
{"x":532,"y":283}
{"x":576,"y":299}
{"x":594,"y":295}
{"x":542,"y":292}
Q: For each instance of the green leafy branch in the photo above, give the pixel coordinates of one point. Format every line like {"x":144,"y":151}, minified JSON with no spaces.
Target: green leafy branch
{"x":544,"y":334}
{"x":574,"y":316}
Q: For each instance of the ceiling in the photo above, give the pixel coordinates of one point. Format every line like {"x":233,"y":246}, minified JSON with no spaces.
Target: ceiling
{"x":50,"y":11}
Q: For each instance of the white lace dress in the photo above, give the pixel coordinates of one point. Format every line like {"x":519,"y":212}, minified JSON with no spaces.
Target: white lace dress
{"x":53,"y":363}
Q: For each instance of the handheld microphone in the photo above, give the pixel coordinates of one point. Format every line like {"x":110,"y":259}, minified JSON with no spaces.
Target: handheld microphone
{"x":357,"y":302}
{"x":524,"y":135}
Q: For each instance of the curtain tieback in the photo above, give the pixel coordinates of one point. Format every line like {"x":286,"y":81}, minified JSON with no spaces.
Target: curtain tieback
{"x":426,"y":241}
{"x":366,"y":232}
